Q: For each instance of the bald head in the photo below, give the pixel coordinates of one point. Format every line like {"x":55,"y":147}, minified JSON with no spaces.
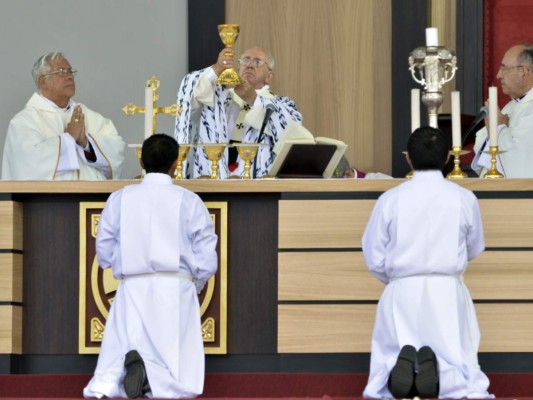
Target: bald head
{"x":515,"y":73}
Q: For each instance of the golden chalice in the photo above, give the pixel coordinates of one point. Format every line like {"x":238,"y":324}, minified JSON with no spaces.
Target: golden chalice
{"x":214,"y":154}
{"x":228,"y":33}
{"x":248,"y":152}
{"x":182,"y":155}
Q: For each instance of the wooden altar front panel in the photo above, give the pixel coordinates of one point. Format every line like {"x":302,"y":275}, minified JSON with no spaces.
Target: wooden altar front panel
{"x":327,"y":299}
{"x":267,"y":258}
{"x":10,"y":277}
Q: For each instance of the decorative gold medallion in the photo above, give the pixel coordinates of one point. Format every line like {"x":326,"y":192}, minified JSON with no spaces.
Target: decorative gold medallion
{"x":98,"y":286}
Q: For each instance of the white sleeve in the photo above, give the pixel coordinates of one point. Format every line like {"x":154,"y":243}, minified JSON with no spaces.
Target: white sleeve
{"x":68,"y":160}
{"x":204,"y":91}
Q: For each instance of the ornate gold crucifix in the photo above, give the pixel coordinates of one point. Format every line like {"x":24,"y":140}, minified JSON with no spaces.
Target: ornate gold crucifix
{"x":132,"y":109}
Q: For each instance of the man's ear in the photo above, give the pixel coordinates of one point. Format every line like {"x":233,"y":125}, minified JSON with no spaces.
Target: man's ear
{"x":41,"y":81}
{"x":408,"y":159}
{"x":172,"y":170}
{"x":269,"y":77}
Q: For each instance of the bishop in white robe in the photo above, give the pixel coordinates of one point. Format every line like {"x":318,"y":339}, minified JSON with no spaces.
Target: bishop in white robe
{"x":215,"y":114}
{"x":38,"y":148}
{"x":53,"y":138}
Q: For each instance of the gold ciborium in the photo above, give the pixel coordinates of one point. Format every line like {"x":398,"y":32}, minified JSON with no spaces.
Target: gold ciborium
{"x":228,"y":33}
{"x":182,"y":155}
{"x":214,"y":154}
{"x":248,"y":152}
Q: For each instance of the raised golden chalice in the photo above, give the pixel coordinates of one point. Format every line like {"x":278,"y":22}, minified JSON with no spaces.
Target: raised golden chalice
{"x":229,"y":33}
{"x":182,"y":155}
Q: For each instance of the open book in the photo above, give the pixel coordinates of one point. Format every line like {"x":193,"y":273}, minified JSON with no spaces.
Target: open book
{"x":300,"y":155}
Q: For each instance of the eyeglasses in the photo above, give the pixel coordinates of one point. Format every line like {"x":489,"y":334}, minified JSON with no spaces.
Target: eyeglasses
{"x":63,"y":72}
{"x":255,"y":61}
{"x":505,"y":69}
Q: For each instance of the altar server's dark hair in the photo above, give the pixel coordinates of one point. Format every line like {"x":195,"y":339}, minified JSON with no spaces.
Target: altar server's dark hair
{"x":428,"y":148}
{"x":159,"y":152}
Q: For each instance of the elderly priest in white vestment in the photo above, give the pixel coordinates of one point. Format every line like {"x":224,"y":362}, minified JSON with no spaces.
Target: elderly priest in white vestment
{"x":55,"y":138}
{"x":248,"y":113}
{"x":160,"y":241}
{"x":418,"y":241}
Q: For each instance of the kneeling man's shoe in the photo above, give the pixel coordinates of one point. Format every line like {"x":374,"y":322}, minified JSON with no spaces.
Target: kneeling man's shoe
{"x":135,"y":378}
{"x":402,"y":376}
{"x":427,"y":378}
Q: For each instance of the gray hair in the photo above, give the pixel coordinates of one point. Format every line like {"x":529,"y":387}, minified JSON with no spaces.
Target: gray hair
{"x":526,"y":55}
{"x":270,"y":61}
{"x":44,"y":64}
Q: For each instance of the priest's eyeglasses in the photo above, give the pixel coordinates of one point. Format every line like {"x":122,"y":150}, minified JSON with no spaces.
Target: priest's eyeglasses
{"x":504,"y":69}
{"x":255,"y":61}
{"x":63,"y":72}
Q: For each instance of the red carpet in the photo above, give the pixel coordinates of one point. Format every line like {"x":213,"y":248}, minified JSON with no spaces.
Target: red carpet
{"x":255,"y":386}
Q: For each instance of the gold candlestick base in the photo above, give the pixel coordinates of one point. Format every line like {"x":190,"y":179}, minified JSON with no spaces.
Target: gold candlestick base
{"x":493,"y":172}
{"x":182,"y":155}
{"x":457,"y":173}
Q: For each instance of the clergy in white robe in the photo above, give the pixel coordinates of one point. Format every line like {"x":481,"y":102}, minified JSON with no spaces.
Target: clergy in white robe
{"x":418,"y":241}
{"x":53,"y":138}
{"x":515,"y":121}
{"x":159,"y":240}
{"x":215,"y":114}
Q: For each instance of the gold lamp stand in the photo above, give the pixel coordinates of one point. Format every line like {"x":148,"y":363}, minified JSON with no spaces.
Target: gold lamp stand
{"x":493,"y":172}
{"x":457,"y":172}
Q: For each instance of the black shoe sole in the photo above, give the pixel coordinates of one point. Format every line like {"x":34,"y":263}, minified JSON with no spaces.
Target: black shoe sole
{"x":135,"y":377}
{"x":427,"y":378}
{"x":402,"y":376}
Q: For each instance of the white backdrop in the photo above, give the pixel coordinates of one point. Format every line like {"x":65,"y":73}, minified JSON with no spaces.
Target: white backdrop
{"x":116,"y":46}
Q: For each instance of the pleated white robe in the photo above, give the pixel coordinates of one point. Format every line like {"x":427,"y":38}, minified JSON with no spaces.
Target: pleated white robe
{"x":418,"y":241}
{"x":37,"y":147}
{"x":156,"y":236}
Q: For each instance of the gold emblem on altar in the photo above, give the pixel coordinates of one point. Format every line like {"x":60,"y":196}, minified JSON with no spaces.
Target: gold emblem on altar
{"x":98,"y":286}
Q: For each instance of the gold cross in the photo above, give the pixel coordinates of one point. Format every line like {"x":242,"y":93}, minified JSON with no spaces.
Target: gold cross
{"x":131,"y":109}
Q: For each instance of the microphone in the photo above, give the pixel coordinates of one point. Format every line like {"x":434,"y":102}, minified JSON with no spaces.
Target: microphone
{"x":483,"y":113}
{"x":269,"y":109}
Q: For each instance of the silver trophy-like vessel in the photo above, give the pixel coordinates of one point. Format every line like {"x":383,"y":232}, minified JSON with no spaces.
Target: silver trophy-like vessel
{"x":432,"y":67}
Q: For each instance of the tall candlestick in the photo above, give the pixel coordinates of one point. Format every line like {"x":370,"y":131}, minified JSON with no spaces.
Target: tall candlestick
{"x":493,"y":116}
{"x":415,"y":109}
{"x":432,"y":37}
{"x":456,"y":119}
{"x":148,"y":111}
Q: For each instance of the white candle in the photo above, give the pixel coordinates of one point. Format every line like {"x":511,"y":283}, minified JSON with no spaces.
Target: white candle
{"x":493,"y":115}
{"x":148,"y":111}
{"x":432,"y":37}
{"x":415,"y":109}
{"x":456,"y":119}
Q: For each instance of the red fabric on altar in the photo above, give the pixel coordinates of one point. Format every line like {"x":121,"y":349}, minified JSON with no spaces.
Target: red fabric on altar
{"x":506,"y":23}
